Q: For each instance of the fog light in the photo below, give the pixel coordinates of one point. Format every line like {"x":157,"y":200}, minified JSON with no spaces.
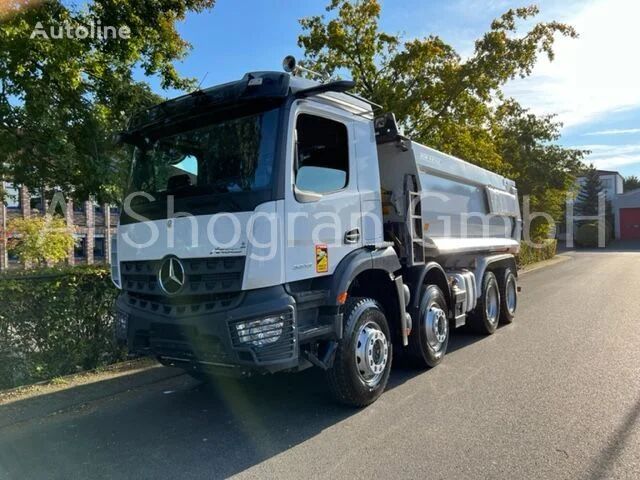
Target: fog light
{"x":260,"y":332}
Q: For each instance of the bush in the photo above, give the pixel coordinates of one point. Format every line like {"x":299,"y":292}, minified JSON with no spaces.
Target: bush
{"x":587,"y":234}
{"x":54,"y":322}
{"x":40,"y":239}
{"x":531,"y":254}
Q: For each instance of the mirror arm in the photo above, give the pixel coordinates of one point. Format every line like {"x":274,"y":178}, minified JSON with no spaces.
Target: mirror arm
{"x":304,"y":196}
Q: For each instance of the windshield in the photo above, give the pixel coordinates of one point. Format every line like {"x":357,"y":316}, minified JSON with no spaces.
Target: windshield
{"x":231,"y":155}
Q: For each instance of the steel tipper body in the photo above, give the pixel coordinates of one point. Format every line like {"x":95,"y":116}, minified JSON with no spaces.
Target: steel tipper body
{"x":272,"y":224}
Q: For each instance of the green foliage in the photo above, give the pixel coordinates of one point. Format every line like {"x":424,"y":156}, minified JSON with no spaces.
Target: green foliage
{"x":62,"y":99}
{"x":587,"y":200}
{"x":530,"y":254}
{"x":543,"y":171}
{"x":587,"y":234}
{"x":40,"y":240}
{"x":631,"y":182}
{"x":440,"y":98}
{"x":453,"y":104}
{"x":54,"y":322}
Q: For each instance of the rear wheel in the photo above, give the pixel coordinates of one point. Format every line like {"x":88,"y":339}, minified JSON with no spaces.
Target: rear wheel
{"x":508,"y":295}
{"x":362,"y":363}
{"x":486,"y":315}
{"x":430,"y":337}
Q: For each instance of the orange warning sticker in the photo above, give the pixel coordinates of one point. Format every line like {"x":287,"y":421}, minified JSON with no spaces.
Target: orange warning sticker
{"x":322,"y":259}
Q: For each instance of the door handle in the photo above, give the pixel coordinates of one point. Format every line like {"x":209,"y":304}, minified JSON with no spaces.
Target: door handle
{"x":352,"y":236}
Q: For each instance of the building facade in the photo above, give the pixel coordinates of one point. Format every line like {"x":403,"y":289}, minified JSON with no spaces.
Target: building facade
{"x":626,"y":209}
{"x":625,"y":206}
{"x":612,"y":183}
{"x":92,"y":224}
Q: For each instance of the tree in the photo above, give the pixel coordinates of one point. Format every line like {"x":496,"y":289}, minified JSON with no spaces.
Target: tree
{"x":543,"y":171}
{"x":40,"y":240}
{"x":590,"y":191}
{"x":453,"y":104}
{"x":439,"y":98}
{"x":631,"y":182}
{"x":62,"y":99}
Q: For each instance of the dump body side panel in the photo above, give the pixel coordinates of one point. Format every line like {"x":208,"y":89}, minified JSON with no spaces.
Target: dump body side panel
{"x":464,"y":208}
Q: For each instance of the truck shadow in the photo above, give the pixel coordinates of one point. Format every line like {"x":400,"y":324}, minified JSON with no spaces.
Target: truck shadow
{"x":178,"y":424}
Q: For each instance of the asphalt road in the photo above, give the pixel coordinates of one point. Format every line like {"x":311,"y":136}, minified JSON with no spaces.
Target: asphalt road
{"x":555,"y":395}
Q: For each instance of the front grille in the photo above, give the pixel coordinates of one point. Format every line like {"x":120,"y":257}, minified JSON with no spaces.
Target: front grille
{"x":184,"y":306}
{"x":282,"y":349}
{"x":202,"y":276}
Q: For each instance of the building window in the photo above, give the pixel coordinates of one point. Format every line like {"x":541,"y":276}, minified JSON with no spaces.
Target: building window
{"x":98,"y":248}
{"x":12,"y":196}
{"x":12,"y":255}
{"x":78,"y":207}
{"x":322,"y":163}
{"x":97,"y":207}
{"x":80,"y":248}
{"x":35,"y":200}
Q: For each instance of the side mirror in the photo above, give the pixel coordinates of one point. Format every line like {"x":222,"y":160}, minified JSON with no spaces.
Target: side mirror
{"x":313,"y":182}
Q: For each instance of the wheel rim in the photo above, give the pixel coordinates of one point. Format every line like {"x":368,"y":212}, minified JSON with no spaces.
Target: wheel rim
{"x":437,"y":327}
{"x":512,"y":297}
{"x":371,"y":353}
{"x":492,"y":304}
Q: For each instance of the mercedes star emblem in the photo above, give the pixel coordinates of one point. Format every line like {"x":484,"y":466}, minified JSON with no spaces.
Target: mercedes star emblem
{"x":171,"y":276}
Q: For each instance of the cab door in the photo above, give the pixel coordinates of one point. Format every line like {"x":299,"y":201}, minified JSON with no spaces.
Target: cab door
{"x":322,"y":203}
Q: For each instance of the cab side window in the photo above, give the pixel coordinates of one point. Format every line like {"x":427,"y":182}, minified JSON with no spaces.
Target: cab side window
{"x":322,"y":161}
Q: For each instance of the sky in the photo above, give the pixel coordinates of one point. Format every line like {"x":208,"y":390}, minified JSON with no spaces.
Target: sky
{"x":593,"y":84}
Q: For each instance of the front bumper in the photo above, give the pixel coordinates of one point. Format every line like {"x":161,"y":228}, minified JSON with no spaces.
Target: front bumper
{"x":204,"y":335}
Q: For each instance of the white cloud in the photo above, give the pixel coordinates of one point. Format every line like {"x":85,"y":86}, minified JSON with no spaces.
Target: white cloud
{"x":622,"y":131}
{"x":612,"y":157}
{"x":592,"y":75}
{"x":599,"y":149}
{"x":614,"y":163}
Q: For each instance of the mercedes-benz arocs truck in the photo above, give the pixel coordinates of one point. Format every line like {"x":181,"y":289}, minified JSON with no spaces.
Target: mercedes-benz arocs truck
{"x":276,"y":223}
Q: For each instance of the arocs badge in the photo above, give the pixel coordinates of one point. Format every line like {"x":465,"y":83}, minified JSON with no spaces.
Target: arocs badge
{"x":322,"y":259}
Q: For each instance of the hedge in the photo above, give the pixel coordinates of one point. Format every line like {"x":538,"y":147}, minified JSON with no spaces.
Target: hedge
{"x":55,"y":322}
{"x":531,"y":254}
{"x":587,"y":234}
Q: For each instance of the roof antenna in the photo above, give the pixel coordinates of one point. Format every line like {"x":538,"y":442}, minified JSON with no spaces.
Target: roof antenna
{"x":201,"y":81}
{"x":290,"y":65}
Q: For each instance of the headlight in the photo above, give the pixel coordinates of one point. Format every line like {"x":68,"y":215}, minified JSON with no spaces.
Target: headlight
{"x":260,"y":332}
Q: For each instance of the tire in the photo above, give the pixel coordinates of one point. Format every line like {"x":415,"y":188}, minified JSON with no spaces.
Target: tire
{"x":508,"y":295}
{"x":362,"y":363}
{"x":486,"y":316}
{"x":429,"y":339}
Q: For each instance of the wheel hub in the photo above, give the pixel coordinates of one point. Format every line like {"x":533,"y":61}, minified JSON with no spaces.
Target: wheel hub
{"x":436,"y":326}
{"x":371,"y":352}
{"x":511,"y":295}
{"x":492,"y":305}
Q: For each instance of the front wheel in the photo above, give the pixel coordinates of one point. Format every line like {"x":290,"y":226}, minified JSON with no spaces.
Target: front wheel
{"x":362,"y":363}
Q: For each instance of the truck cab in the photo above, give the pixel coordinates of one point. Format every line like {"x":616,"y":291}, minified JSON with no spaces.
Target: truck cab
{"x":274,"y":224}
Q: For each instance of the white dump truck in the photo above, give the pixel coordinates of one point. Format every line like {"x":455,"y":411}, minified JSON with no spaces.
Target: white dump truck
{"x":276,"y":223}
